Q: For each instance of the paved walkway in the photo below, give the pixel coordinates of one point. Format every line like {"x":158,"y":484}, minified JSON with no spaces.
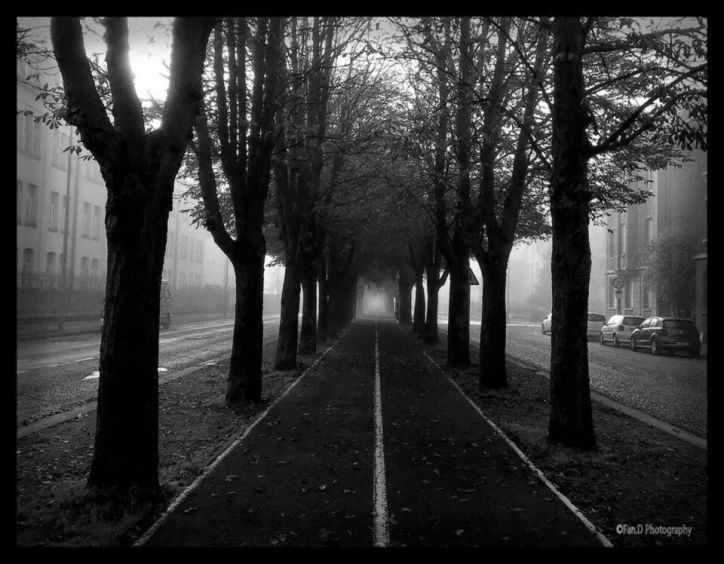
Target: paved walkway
{"x":304,"y":475}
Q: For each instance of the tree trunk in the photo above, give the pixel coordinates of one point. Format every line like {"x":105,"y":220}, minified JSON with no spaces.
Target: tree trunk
{"x":308,"y":336}
{"x":493,"y":324}
{"x":244,"y":382}
{"x":287,"y":342}
{"x":571,"y":421}
{"x":418,"y":325}
{"x":458,"y":338}
{"x":323,"y":316}
{"x":126,"y":439}
{"x":433,"y":287}
{"x":405,"y":301}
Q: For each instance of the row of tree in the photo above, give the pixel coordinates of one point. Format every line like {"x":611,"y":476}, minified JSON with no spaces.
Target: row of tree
{"x":346,"y":152}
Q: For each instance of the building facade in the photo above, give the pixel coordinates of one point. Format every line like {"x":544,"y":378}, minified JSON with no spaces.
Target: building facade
{"x":60,"y":212}
{"x":679,"y":196}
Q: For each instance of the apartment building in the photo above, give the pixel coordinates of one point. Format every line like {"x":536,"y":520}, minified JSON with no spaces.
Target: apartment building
{"x":60,"y":212}
{"x":60,"y":202}
{"x":680,"y":195}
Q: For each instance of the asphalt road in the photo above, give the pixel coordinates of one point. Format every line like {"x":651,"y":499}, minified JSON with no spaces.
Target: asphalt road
{"x":330,"y":465}
{"x":56,"y":374}
{"x":670,"y":388}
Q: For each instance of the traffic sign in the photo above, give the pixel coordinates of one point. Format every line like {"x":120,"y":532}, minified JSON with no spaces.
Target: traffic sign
{"x":618,"y":282}
{"x":471,"y":278}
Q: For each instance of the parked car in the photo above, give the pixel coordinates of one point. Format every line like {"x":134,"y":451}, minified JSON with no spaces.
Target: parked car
{"x":545,"y":326}
{"x":595,"y":322}
{"x":165,"y":314}
{"x":666,"y":334}
{"x":618,"y":329}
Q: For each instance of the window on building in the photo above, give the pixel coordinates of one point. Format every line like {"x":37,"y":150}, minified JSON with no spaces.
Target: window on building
{"x":37,"y":137}
{"x":60,"y":143}
{"x":193,"y":249}
{"x":19,"y":201}
{"x":628,"y":294}
{"x":28,"y":137}
{"x":648,"y":230}
{"x":622,"y":233}
{"x":611,"y":246}
{"x":86,"y":219}
{"x":19,"y":129}
{"x":84,"y":270}
{"x":96,"y":222}
{"x":50,"y":263}
{"x":94,"y":268}
{"x":53,"y":214}
{"x":30,"y":205}
{"x":28,"y":258}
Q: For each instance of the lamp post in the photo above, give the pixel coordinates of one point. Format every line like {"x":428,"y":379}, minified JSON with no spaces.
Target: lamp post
{"x":63,"y":284}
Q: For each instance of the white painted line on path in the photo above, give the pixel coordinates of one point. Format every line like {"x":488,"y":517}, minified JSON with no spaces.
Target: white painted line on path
{"x":184,"y":494}
{"x":381,"y":530}
{"x":591,"y":527}
{"x":83,"y":359}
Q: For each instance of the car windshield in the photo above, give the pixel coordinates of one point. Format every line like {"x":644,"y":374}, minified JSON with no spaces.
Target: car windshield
{"x":596,"y":317}
{"x":679,"y":324}
{"x":633,"y":320}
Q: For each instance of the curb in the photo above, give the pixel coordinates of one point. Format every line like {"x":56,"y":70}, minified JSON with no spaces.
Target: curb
{"x":577,"y":512}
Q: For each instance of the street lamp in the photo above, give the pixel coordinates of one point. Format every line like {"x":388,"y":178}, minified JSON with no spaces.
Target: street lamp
{"x":63,"y":284}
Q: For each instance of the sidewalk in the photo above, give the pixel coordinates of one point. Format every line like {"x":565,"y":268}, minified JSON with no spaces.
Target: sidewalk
{"x":27,"y":330}
{"x":304,"y":474}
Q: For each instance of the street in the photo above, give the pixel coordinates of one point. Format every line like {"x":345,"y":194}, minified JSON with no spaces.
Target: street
{"x":59,"y":373}
{"x":670,"y":388}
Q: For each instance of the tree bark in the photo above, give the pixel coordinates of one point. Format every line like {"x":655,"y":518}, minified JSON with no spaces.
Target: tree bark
{"x":286,"y":358}
{"x":139,"y":171}
{"x":308,"y":335}
{"x":126,"y":447}
{"x":458,"y":338}
{"x":245,"y":368}
{"x":571,"y":421}
{"x":405,"y":289}
{"x":323,"y":316}
{"x":493,"y":324}
{"x":418,"y":325}
{"x":431,"y":332}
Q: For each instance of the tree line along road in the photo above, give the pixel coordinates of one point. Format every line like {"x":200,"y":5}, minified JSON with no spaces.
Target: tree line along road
{"x":373,"y":446}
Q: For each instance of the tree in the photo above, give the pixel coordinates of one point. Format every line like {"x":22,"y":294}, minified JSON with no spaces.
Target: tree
{"x":626,"y":91}
{"x":139,"y":169}
{"x":668,"y":268}
{"x":298,"y":165}
{"x":245,"y":154}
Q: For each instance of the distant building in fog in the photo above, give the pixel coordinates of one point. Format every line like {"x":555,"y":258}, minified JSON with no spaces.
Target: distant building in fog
{"x":51,"y":184}
{"x":679,"y":195}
